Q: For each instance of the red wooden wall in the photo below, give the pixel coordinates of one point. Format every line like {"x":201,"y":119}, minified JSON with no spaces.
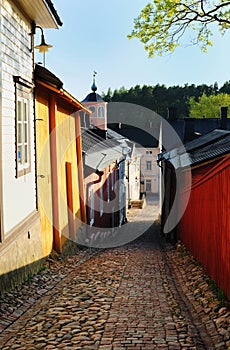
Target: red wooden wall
{"x":205,"y":226}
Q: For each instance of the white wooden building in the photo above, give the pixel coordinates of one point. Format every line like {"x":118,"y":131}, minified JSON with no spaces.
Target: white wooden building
{"x":20,"y":235}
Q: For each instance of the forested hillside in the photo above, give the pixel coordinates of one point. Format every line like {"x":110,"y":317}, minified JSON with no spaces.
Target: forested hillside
{"x":159,"y":97}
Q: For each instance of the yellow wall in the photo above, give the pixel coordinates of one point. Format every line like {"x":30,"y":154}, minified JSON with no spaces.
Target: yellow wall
{"x":66,"y":152}
{"x":44,"y":173}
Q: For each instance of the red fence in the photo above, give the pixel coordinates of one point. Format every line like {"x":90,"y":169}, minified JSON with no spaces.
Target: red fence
{"x":205,"y":226}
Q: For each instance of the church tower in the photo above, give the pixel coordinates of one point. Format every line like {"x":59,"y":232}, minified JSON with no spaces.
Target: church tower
{"x":98,"y":107}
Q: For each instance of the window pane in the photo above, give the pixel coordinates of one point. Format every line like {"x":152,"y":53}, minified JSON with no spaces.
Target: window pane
{"x":101,"y":112}
{"x":20,"y":154}
{"x":25,"y":133}
{"x":25,"y":111}
{"x":19,"y":111}
{"x":26,"y":154}
{"x":148,"y":165}
{"x":19,"y":133}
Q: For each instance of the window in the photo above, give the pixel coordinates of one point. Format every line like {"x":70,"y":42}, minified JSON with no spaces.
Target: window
{"x":148,"y":185}
{"x":22,"y":137}
{"x":22,"y":126}
{"x":148,"y":165}
{"x":101,"y":112}
{"x":92,"y":109}
{"x":149,"y":152}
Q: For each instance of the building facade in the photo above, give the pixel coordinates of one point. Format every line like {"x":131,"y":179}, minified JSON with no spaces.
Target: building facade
{"x":20,"y":234}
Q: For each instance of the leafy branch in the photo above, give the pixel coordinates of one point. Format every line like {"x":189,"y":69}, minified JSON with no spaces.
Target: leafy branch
{"x":162,"y":23}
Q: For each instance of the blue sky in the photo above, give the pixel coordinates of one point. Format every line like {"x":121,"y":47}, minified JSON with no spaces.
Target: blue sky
{"x":94,"y":37}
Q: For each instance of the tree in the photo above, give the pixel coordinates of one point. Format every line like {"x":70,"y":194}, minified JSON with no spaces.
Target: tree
{"x":162,"y":23}
{"x":208,"y":106}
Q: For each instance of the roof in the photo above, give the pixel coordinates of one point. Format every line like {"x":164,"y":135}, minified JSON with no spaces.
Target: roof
{"x":115,"y":135}
{"x":93,"y":97}
{"x":42,"y":12}
{"x":218,"y":148}
{"x":99,"y":153}
{"x":206,"y":140}
{"x":46,"y":76}
{"x":137,"y":135}
{"x":210,"y":146}
{"x":199,"y":126}
{"x":50,"y":81}
{"x":54,"y":12}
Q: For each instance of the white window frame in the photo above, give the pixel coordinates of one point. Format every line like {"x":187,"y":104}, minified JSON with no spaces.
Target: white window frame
{"x":23,"y":100}
{"x":22,"y":137}
{"x":148,"y":165}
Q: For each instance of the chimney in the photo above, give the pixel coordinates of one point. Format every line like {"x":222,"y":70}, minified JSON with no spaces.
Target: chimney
{"x":189,"y":132}
{"x":223,"y":117}
{"x":172,"y":114}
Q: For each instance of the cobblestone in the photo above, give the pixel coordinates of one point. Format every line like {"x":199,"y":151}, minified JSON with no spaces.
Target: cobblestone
{"x":144,"y":295}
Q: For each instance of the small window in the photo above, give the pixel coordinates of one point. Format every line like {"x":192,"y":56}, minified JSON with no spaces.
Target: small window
{"x":92,"y":109}
{"x":101,"y":113}
{"x":22,"y":120}
{"x":22,"y":143}
{"x":148,"y":165}
{"x":149,"y":152}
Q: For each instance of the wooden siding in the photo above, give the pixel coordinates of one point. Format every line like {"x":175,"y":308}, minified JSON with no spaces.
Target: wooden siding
{"x":44,"y":172}
{"x":64,"y":155}
{"x":205,"y":226}
{"x":15,"y":60}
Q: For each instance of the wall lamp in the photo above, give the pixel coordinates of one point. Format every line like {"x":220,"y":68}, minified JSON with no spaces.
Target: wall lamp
{"x":43,"y":47}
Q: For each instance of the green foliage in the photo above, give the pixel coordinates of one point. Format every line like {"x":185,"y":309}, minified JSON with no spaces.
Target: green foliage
{"x":159,"y":98}
{"x":208,"y":106}
{"x":162,"y":23}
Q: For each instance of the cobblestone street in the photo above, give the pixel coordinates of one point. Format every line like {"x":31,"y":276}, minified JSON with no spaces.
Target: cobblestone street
{"x":143,"y":295}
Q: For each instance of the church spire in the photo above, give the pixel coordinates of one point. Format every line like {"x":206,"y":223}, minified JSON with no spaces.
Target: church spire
{"x":94,"y":86}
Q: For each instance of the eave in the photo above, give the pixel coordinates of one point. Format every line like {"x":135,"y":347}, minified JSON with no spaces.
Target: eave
{"x":42,"y":12}
{"x":65,"y":95}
